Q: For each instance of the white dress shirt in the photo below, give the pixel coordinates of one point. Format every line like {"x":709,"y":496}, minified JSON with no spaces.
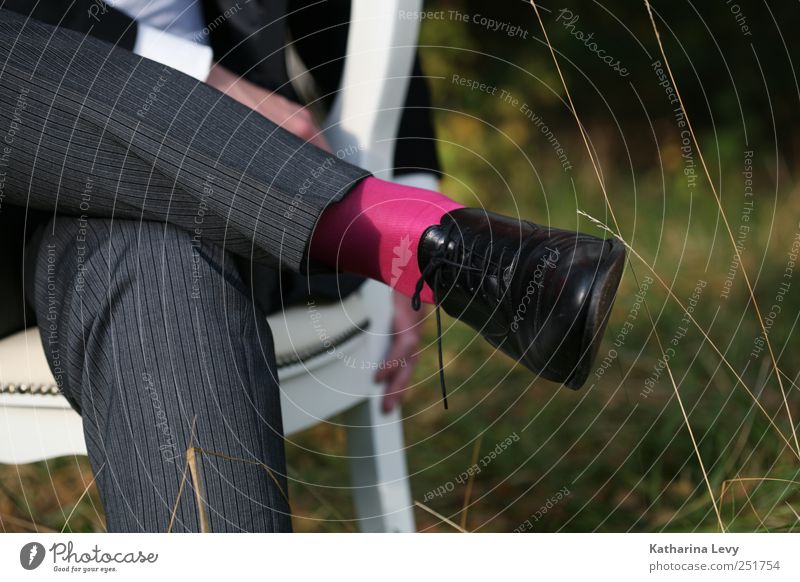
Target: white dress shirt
{"x":171,"y":32}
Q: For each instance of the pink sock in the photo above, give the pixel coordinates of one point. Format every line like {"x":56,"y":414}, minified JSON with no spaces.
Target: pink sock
{"x":374,"y":231}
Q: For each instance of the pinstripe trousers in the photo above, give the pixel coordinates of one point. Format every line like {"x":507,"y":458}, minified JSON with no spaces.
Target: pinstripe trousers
{"x":147,"y":324}
{"x":154,"y":338}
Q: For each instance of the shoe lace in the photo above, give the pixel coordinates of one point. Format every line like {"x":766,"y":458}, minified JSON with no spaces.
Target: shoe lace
{"x":443,"y":259}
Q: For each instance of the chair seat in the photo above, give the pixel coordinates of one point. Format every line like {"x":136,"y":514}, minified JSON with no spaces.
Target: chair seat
{"x":316,"y":347}
{"x":306,"y":338}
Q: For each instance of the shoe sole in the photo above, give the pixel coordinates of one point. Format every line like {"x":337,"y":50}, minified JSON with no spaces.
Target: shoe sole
{"x":601,"y":300}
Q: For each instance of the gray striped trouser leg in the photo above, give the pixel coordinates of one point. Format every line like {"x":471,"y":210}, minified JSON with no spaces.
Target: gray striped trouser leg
{"x":154,"y":338}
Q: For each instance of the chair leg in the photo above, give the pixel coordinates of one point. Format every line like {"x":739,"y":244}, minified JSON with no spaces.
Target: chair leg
{"x":381,"y":489}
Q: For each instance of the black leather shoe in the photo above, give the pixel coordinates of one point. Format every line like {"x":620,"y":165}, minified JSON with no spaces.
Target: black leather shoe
{"x":539,"y":294}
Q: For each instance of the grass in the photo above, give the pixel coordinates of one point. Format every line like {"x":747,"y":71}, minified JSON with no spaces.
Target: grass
{"x":626,"y":460}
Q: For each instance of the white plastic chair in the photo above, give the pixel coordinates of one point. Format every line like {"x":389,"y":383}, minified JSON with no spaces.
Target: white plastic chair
{"x":319,"y":348}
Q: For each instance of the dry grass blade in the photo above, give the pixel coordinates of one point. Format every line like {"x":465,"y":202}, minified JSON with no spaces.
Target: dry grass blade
{"x":753,"y":507}
{"x":24,"y":523}
{"x":183,"y":479}
{"x":476,"y":449}
{"x":192,"y":454}
{"x":326,"y":504}
{"x":725,"y":221}
{"x":178,"y":497}
{"x":249,"y":462}
{"x":85,"y":491}
{"x":596,"y":167}
{"x":439,"y":516}
{"x":191,"y":460}
{"x":725,"y":487}
{"x":698,"y":326}
{"x":792,"y":510}
{"x":191,"y":467}
{"x":726,"y":484}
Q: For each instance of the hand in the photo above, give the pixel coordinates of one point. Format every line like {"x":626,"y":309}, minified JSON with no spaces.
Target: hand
{"x":287,"y":114}
{"x":402,"y":355}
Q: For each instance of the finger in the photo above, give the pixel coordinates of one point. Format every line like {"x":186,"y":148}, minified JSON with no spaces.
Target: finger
{"x":321,"y":142}
{"x":305,"y":128}
{"x":397,"y":389}
{"x":403,"y":349}
{"x":383,"y":375}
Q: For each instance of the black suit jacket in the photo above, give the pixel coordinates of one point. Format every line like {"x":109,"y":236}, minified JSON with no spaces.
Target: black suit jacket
{"x":248,"y":38}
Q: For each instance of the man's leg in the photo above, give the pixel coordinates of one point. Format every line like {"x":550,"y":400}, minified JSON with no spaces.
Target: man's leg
{"x":154,"y":339}
{"x":118,"y":136}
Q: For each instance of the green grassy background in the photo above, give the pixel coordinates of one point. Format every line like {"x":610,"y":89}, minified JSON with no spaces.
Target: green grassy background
{"x":627,"y":461}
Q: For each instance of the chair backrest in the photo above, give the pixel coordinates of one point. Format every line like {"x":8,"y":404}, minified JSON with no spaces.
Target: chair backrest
{"x":361,"y":128}
{"x":380,"y":54}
